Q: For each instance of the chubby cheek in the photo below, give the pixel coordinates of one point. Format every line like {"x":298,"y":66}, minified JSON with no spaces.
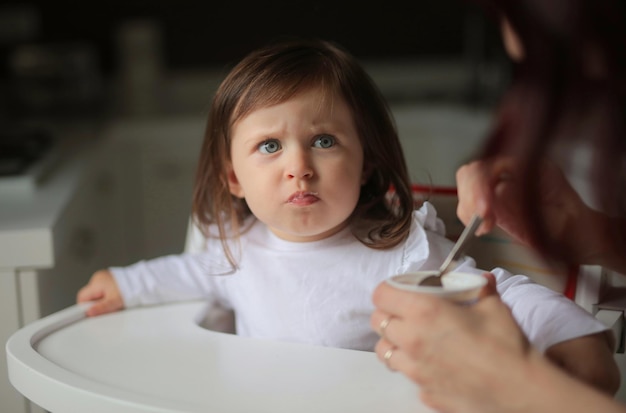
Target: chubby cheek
{"x":245,"y":177}
{"x":256,"y":187}
{"x":346,"y":187}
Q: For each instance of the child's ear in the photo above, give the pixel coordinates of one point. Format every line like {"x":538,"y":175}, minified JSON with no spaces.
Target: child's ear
{"x":233,"y":183}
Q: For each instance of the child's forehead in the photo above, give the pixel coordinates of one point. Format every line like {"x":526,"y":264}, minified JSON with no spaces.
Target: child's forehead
{"x":327,"y":98}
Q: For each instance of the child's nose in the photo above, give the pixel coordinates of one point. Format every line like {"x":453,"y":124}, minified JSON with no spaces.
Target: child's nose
{"x":299,"y":166}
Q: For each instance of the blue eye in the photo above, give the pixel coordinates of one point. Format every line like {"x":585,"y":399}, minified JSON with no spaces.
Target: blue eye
{"x":269,"y":146}
{"x":324,"y":141}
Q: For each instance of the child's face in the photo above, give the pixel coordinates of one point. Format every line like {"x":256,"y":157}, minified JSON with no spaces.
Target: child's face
{"x":299,"y":166}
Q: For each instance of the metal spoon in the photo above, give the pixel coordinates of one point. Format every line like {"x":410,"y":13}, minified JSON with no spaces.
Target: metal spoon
{"x":459,"y":247}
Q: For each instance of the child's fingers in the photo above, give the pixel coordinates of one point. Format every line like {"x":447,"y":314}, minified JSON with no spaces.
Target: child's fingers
{"x":88,"y":294}
{"x":103,"y":307}
{"x":100,"y":285}
{"x":102,"y":290}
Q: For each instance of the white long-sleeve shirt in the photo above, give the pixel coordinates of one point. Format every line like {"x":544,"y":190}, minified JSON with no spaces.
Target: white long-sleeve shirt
{"x":321,"y":292}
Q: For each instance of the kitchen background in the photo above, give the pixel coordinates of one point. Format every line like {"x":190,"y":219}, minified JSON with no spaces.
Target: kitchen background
{"x":102,"y":111}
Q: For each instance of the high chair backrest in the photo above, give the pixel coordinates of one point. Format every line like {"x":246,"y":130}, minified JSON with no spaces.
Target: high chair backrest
{"x":216,"y":317}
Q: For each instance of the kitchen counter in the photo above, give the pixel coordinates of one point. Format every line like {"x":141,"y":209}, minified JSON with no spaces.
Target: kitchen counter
{"x":30,"y":207}
{"x":27,"y":220}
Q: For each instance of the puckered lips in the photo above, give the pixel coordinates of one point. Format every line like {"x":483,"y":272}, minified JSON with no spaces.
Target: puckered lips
{"x":303,"y":198}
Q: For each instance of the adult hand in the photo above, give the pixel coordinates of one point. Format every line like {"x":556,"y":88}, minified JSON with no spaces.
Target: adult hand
{"x":102,"y":289}
{"x":492,"y":189}
{"x":460,"y":356}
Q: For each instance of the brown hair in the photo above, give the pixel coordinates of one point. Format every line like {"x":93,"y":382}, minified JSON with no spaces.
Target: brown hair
{"x":274,"y":74}
{"x":570,"y":88}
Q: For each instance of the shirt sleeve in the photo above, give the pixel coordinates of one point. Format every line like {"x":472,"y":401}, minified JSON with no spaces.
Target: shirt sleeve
{"x":546,"y":316}
{"x":170,"y":278}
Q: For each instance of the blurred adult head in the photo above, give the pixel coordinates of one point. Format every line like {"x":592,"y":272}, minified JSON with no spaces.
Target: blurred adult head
{"x":568,"y":93}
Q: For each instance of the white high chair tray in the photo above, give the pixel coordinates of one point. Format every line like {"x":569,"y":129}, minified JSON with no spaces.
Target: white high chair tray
{"x":158,"y":359}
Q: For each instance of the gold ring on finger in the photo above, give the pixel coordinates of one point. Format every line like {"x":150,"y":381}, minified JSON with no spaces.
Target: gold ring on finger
{"x":387,"y":357}
{"x":383,"y":326}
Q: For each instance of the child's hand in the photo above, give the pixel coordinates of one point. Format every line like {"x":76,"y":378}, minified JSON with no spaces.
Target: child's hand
{"x":103,"y":290}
